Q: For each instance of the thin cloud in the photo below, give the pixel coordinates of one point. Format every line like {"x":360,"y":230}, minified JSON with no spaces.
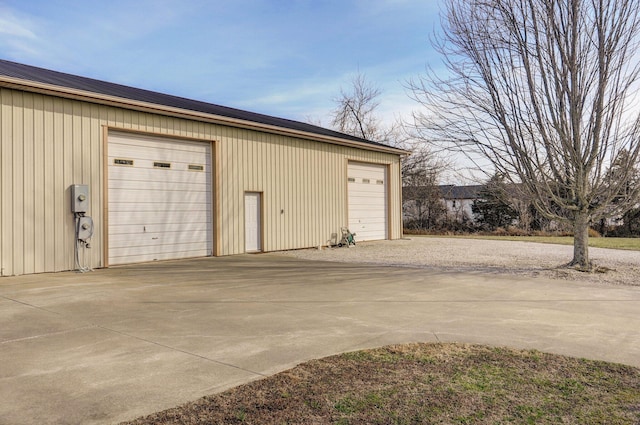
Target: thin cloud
{"x":282,"y":59}
{"x":12,"y":26}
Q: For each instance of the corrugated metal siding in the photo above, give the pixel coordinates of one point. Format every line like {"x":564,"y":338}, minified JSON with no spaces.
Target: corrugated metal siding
{"x":304,"y":186}
{"x":49,"y":143}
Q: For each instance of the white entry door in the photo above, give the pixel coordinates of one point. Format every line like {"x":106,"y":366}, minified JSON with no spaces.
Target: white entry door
{"x":252,"y":222}
{"x":367,"y":189}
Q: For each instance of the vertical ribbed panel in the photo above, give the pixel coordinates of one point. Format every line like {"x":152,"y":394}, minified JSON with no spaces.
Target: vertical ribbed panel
{"x":304,"y":186}
{"x":6,"y":182}
{"x":48,"y":143}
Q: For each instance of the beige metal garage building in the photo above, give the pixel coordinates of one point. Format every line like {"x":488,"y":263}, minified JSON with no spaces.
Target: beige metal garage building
{"x":163,"y":177}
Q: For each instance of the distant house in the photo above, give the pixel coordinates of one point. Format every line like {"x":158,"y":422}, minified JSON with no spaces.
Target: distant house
{"x":456,"y":200}
{"x":459,"y":199}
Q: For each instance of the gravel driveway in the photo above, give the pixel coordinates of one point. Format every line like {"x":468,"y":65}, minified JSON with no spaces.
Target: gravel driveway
{"x":485,"y":256}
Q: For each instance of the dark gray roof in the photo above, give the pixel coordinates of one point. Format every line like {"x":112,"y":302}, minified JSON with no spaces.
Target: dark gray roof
{"x":45,"y":76}
{"x":446,"y":191}
{"x":460,"y":192}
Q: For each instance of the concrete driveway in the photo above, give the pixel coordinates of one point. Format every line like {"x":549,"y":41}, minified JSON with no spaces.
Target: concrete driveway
{"x":114,"y":344}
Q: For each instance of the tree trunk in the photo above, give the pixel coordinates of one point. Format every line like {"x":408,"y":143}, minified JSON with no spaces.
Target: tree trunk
{"x":581,"y":242}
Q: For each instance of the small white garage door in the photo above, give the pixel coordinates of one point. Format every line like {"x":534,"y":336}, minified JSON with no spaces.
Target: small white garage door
{"x":159,"y":199}
{"x":367,"y":201}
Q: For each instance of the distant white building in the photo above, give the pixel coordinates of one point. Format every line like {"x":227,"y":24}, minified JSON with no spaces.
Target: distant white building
{"x":459,"y":200}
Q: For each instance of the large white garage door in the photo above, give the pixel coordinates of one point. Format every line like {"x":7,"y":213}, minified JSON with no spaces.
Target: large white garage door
{"x":159,"y":199}
{"x":367,"y":201}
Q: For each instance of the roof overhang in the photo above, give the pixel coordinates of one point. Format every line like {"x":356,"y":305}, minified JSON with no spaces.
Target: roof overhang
{"x":88,"y":96}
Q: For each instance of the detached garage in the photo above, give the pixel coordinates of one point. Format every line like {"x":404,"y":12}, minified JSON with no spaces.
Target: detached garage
{"x":95,"y":174}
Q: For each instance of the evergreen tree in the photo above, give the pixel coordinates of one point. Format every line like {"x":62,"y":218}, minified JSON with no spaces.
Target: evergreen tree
{"x":493,"y":210}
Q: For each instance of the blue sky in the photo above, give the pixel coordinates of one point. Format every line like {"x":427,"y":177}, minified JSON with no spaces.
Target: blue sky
{"x":286,"y":58}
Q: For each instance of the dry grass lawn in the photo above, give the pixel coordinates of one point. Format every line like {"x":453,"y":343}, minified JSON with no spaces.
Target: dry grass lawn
{"x":632,"y":244}
{"x":427,"y":384}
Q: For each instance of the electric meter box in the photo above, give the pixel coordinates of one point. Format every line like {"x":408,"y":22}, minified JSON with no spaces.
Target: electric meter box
{"x":85,"y":228}
{"x":79,"y":198}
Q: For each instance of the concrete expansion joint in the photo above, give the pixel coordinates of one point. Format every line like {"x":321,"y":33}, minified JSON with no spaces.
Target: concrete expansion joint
{"x":178,"y":350}
{"x":48,"y":334}
{"x":292,"y":307}
{"x":107,"y":329}
{"x":29,"y":305}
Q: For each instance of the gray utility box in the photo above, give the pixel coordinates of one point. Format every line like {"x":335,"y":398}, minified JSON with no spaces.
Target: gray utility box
{"x":79,"y":198}
{"x":85,"y":228}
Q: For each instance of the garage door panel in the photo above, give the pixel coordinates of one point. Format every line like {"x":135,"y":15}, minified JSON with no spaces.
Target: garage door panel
{"x":145,"y":158}
{"x":366,"y":170}
{"x":179,"y":203}
{"x":197,"y":237}
{"x":152,"y":207}
{"x":158,"y":213}
{"x":364,"y":189}
{"x":152,"y":174}
{"x":158,"y":249}
{"x":143,"y":218}
{"x":155,"y":185}
{"x":139,"y":196}
{"x":146,"y":148}
{"x":133,"y":255}
{"x":158,"y":166}
{"x":124,"y":229}
{"x":150,"y":148}
{"x":133,"y":141}
{"x":367,"y":201}
{"x":364,"y":213}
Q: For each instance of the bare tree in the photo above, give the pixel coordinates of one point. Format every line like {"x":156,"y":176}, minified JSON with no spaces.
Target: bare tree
{"x":422,"y":203}
{"x":355,"y":111}
{"x":545,"y":90}
{"x":355,"y":114}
